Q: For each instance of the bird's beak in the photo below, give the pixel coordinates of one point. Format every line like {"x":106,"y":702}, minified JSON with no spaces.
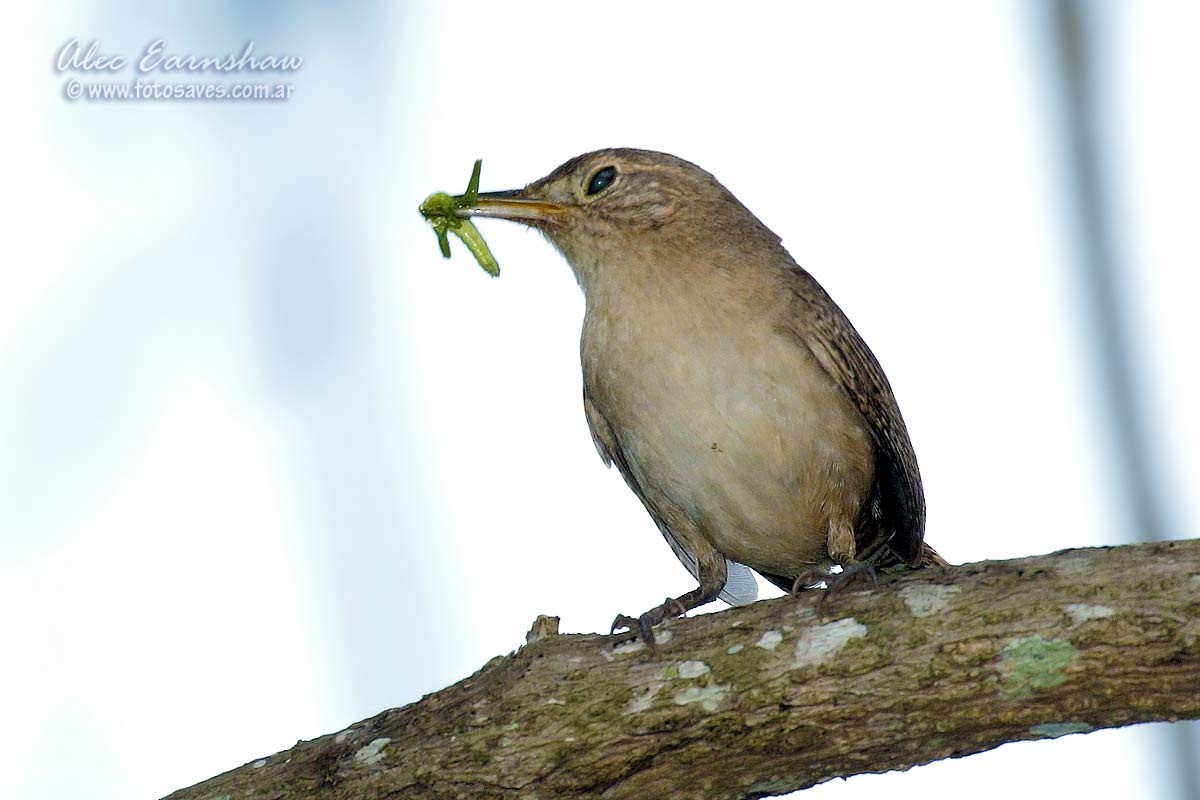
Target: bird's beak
{"x":515,"y":205}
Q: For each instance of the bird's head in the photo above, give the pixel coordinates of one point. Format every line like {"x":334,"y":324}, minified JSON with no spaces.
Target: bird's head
{"x":614,"y":205}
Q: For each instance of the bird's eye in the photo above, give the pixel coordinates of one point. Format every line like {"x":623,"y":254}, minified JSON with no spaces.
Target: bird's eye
{"x":601,"y":180}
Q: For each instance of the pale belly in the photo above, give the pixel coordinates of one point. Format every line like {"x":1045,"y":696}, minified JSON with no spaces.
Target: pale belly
{"x":746,"y":434}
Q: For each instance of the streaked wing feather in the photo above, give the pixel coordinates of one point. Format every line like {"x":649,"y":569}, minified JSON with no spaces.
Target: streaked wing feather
{"x":898,"y":512}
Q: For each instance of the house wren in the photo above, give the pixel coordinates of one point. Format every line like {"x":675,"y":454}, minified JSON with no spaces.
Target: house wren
{"x":734,"y":396}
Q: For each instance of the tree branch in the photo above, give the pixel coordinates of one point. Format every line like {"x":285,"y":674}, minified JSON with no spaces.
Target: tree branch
{"x":787,"y":693}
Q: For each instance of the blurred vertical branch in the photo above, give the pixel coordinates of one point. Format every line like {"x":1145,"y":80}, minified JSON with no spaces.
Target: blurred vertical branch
{"x":1108,"y":319}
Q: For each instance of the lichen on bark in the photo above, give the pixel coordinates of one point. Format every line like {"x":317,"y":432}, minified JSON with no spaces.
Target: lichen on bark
{"x":787,"y":693}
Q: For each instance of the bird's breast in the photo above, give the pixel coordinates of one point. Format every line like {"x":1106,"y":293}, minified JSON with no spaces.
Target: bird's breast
{"x":729,"y":418}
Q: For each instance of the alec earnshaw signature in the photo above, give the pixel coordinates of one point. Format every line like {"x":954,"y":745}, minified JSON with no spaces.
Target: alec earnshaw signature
{"x":75,"y":57}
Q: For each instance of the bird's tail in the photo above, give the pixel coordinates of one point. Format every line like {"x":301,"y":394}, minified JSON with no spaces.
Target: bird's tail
{"x":930,"y":558}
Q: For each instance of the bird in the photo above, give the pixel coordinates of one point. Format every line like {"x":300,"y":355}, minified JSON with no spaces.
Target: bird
{"x":732,"y":393}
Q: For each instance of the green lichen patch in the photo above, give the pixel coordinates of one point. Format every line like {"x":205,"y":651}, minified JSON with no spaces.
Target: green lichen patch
{"x":709,"y":697}
{"x":642,"y":701}
{"x":769,"y":640}
{"x":1053,"y":730}
{"x":820,"y":643}
{"x":928,"y":599}
{"x":1074,"y":564}
{"x":1033,"y":663}
{"x":746,"y":670}
{"x":372,"y":753}
{"x":1086,"y":612}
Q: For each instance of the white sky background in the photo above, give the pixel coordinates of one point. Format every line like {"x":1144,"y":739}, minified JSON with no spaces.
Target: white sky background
{"x":269,"y":465}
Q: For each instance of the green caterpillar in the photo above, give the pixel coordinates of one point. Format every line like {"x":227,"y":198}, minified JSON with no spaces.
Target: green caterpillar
{"x":439,"y":209}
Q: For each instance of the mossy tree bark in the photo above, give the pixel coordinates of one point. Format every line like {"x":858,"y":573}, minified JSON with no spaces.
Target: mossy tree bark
{"x":787,"y":693}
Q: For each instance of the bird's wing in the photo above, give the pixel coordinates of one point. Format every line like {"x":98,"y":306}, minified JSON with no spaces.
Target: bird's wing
{"x":740,"y":586}
{"x":897,"y":509}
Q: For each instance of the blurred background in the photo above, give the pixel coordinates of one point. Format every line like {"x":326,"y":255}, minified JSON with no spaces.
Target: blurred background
{"x":269,"y":465}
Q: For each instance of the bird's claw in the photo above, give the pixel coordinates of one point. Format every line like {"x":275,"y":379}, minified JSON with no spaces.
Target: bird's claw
{"x":623,"y":621}
{"x":810,"y":578}
{"x":836,"y":583}
{"x":856,"y":572}
{"x":853,"y":573}
{"x":643,"y":627}
{"x":638,"y":628}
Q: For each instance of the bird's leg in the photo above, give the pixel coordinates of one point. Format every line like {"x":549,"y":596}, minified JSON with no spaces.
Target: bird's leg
{"x":712,"y":579}
{"x":810,"y":578}
{"x":859,"y":569}
{"x":843,"y":551}
{"x":840,"y":543}
{"x":642,"y":627}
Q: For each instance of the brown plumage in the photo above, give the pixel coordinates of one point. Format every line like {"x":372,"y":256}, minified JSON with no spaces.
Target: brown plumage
{"x":734,"y":396}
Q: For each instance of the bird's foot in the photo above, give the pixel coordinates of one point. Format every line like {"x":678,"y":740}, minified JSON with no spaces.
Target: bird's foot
{"x":856,"y":572}
{"x":643,"y":627}
{"x":852,"y":573}
{"x":810,"y":579}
